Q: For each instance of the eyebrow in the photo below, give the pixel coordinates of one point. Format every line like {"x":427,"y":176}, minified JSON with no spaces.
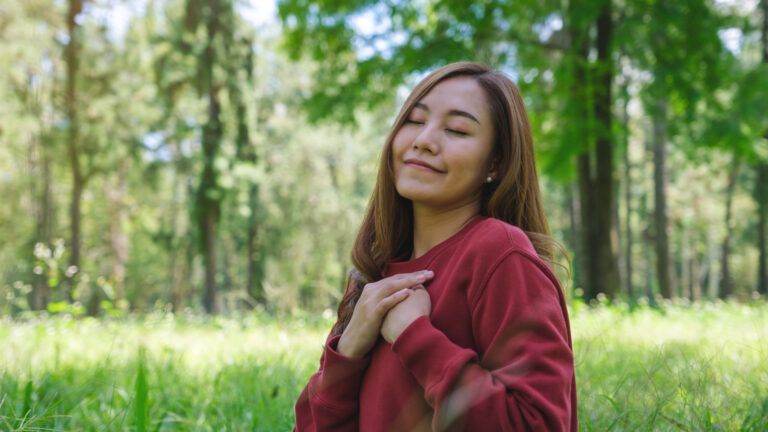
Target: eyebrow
{"x":454,"y":112}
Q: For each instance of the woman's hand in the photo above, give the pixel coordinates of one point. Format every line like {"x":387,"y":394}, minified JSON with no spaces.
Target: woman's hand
{"x":402,"y":315}
{"x":376,"y":300}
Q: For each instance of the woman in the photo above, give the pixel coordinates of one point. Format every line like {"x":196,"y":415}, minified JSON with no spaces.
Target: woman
{"x":452,"y":318}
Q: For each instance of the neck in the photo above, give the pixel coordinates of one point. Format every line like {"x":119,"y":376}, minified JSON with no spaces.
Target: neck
{"x":431,"y":227}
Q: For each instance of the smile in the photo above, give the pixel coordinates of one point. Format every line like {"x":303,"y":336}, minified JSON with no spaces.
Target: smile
{"x":421,"y":166}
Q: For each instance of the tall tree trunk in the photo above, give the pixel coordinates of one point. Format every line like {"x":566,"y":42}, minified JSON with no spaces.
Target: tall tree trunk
{"x":726,"y":284}
{"x":180,"y":248}
{"x":209,"y":199}
{"x":761,"y":195}
{"x":696,"y":291}
{"x":648,"y":261}
{"x":578,"y":111}
{"x":606,"y":278}
{"x":587,"y":254}
{"x":627,"y":201}
{"x":71,"y":58}
{"x":647,"y":231}
{"x":686,"y":287}
{"x":573,"y":219}
{"x":616,"y":236}
{"x":712,"y":275}
{"x":761,"y":187}
{"x":119,"y":241}
{"x":660,"y":198}
{"x":41,"y":292}
{"x":256,"y":259}
{"x":246,"y":151}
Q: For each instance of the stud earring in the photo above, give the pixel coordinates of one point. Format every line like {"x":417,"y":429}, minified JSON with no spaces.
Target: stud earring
{"x":488,"y":179}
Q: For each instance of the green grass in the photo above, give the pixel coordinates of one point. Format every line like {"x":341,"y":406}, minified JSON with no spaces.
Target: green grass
{"x":689,"y":368}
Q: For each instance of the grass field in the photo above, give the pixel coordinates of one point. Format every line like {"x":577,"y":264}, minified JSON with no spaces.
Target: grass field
{"x":686,"y":368}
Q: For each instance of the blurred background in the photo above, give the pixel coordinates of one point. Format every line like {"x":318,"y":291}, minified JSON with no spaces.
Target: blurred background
{"x":182,"y":180}
{"x":218,"y":155}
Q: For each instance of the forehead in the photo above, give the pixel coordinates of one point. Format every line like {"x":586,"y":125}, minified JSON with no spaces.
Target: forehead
{"x":457,"y":93}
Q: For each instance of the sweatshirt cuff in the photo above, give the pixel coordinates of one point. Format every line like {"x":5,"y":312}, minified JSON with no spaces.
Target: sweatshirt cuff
{"x":341,"y":378}
{"x":429,"y":354}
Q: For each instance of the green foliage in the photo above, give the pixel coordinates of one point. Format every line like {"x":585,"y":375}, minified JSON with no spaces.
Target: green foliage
{"x":295,"y":187}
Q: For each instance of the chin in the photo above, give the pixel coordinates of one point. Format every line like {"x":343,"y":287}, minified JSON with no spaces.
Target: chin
{"x":419,"y":195}
{"x":417,"y":192}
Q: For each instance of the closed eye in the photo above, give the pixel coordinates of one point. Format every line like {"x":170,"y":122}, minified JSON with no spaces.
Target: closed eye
{"x":414,"y":121}
{"x":457,"y":132}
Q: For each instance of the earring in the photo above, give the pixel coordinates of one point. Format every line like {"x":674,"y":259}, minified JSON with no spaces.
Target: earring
{"x":488,"y":179}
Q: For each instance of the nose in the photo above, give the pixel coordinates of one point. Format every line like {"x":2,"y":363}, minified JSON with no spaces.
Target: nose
{"x":427,"y":140}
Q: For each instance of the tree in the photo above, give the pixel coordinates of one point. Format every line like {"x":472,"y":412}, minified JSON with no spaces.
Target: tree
{"x":678,"y":44}
{"x":207,"y":37}
{"x":761,"y":181}
{"x":361,"y":69}
{"x":596,"y":164}
{"x":71,"y":107}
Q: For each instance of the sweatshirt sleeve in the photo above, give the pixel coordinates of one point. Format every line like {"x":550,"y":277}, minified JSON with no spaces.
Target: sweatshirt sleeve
{"x":330,"y":400}
{"x":521,"y":376}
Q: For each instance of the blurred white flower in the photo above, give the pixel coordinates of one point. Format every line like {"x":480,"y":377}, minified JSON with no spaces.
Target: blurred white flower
{"x":71,"y":271}
{"x":42,"y":251}
{"x":58,"y":248}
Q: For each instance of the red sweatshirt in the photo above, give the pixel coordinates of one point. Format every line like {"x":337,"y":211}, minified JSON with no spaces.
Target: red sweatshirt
{"x":494,"y":355}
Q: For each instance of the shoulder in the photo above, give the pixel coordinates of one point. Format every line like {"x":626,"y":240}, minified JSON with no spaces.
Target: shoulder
{"x":496,"y":237}
{"x":502,"y":253}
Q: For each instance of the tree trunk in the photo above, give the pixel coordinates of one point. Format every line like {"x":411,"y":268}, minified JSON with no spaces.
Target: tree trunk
{"x":761,"y":186}
{"x":41,"y":292}
{"x":616,"y":236}
{"x":761,"y":196}
{"x":209,"y":199}
{"x":256,"y":258}
{"x":71,"y":57}
{"x":587,"y":253}
{"x":119,"y":241}
{"x":607,"y":274}
{"x":627,"y":203}
{"x":660,"y":198}
{"x":696,"y":290}
{"x":726,"y":284}
{"x":712,"y":272}
{"x":647,"y":232}
{"x":578,"y":111}
{"x":246,"y":151}
{"x":686,"y":286}
{"x":573,"y":212}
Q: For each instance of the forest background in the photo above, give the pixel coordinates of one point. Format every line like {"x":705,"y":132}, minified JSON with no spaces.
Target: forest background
{"x":169,"y":154}
{"x":190,"y":158}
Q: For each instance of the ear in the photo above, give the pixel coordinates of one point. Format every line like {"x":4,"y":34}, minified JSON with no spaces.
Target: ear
{"x":493,"y":168}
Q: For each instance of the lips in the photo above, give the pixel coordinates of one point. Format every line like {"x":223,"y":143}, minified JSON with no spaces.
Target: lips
{"x":421,"y":165}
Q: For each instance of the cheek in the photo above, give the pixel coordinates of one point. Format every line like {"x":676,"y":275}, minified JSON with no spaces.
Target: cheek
{"x":471,"y":161}
{"x":400,"y":142}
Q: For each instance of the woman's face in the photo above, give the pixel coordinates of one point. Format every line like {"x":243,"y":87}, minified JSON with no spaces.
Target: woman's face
{"x":441,"y":154}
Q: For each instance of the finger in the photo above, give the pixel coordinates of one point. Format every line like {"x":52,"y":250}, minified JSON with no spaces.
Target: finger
{"x":402,"y":276}
{"x":391,"y":285}
{"x":389,"y":302}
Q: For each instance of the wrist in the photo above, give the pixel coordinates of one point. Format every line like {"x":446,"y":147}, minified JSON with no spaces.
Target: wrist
{"x":343,"y":348}
{"x":404,"y":326}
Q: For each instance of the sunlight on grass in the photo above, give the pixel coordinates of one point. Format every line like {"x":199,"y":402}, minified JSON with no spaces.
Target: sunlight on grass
{"x":699,"y":367}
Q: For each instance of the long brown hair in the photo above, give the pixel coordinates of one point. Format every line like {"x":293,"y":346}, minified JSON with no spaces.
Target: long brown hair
{"x":386,"y":233}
